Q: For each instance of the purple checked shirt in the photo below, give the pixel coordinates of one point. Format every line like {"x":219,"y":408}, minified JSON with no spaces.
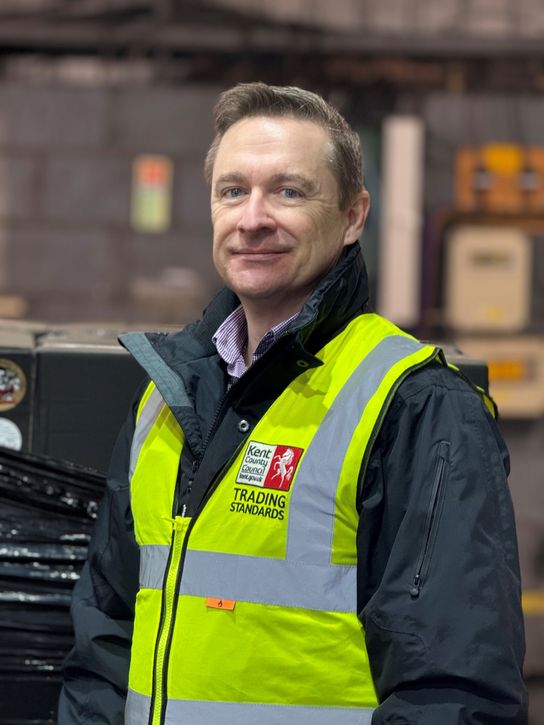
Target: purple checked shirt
{"x":230,"y":339}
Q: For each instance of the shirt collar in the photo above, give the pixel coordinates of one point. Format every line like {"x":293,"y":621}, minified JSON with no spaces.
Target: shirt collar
{"x":230,"y":339}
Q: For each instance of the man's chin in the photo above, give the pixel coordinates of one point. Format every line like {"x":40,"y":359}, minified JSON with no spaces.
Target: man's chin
{"x":251,"y":285}
{"x":256,"y":294}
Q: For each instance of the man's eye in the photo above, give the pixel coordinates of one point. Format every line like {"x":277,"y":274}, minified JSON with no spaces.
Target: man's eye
{"x":289,"y":193}
{"x":233,"y":193}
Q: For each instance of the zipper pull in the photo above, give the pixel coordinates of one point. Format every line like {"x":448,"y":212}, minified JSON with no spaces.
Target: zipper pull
{"x":180,"y":524}
{"x":183,"y":512}
{"x":177,"y":523}
{"x":414,"y":589}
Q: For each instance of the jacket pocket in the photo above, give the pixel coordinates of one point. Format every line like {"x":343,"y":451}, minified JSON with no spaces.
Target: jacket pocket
{"x":432,"y":519}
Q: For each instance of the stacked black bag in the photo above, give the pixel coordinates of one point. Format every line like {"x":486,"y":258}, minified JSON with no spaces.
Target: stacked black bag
{"x":47,"y":512}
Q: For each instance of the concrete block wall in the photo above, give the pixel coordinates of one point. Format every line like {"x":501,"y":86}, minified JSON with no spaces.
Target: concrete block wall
{"x":66,"y":156}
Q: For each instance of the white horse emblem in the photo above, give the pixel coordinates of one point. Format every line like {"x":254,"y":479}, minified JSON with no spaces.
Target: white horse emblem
{"x":282,"y":466}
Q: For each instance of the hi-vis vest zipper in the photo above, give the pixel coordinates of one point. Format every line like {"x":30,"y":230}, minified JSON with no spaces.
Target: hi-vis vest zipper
{"x":247,"y":613}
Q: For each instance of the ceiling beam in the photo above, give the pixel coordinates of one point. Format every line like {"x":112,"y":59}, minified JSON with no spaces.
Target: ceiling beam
{"x":155,"y":34}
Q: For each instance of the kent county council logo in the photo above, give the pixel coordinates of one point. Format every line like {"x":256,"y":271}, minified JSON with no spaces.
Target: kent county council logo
{"x":269,"y":466}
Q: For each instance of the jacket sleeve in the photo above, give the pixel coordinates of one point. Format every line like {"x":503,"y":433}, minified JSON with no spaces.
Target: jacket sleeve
{"x":103,"y":601}
{"x":438,"y":575}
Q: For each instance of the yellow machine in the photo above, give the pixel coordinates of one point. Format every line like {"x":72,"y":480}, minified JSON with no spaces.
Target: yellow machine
{"x":500,"y":177}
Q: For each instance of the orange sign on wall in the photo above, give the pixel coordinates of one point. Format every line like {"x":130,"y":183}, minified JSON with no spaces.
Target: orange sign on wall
{"x":151,"y":193}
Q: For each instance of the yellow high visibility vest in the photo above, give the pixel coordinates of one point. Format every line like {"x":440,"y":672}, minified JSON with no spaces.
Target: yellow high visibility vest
{"x":247,"y":614}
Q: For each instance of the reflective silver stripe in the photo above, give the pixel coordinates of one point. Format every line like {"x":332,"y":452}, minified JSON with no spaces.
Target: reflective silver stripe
{"x":203,"y":712}
{"x":153,"y":561}
{"x":137,"y":708}
{"x":253,"y":579}
{"x":195,"y":712}
{"x":311,"y":511}
{"x":147,"y":418}
{"x":167,"y":381}
{"x":269,"y":581}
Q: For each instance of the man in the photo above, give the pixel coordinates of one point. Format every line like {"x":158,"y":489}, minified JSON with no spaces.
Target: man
{"x":307,"y":519}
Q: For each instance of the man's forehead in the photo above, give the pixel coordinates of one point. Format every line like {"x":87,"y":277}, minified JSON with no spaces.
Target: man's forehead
{"x":271,"y":128}
{"x":285,"y":139}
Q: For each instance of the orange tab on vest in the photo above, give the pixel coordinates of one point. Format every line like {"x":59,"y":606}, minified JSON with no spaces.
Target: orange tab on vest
{"x":220,"y":603}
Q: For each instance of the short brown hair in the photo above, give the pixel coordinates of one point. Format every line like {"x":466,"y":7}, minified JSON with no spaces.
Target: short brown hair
{"x":259,"y":99}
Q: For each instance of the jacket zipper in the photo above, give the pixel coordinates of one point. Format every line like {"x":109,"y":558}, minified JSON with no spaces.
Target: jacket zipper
{"x":182,"y":527}
{"x":432,"y":516}
{"x":211,"y":429}
{"x":195,"y":465}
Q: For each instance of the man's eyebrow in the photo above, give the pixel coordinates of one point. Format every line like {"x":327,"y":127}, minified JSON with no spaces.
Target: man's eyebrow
{"x":232,"y":178}
{"x":306,"y":184}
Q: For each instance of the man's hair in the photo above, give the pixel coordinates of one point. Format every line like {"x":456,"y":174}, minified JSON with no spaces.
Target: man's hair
{"x":259,"y":99}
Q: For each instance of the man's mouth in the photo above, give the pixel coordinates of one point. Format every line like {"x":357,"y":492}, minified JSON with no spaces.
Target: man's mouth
{"x":259,"y":252}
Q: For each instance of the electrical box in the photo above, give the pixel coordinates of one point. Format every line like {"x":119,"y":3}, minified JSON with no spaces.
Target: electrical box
{"x":488,"y":278}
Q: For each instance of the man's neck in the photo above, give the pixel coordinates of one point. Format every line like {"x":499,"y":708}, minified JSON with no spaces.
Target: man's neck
{"x":260,"y":321}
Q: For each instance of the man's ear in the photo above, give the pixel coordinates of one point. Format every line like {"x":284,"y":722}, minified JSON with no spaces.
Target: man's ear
{"x":356,"y":217}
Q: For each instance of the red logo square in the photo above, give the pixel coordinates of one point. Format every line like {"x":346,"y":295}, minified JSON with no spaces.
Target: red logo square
{"x":283,"y":467}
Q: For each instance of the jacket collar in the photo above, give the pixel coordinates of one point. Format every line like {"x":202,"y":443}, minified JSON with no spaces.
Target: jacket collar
{"x":339,"y":297}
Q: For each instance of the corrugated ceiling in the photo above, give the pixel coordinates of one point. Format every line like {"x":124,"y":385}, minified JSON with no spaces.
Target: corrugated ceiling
{"x":492,"y":27}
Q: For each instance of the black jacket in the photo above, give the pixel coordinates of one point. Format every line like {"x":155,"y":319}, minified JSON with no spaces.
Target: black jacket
{"x":438,"y":575}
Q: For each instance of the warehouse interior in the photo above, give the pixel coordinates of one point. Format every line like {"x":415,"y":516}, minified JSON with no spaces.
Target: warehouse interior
{"x":105,"y":119}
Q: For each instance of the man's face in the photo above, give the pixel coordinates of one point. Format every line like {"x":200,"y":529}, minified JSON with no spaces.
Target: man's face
{"x":276,"y":221}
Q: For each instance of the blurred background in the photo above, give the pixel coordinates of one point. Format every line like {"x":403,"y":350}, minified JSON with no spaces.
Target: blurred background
{"x":105,"y":118}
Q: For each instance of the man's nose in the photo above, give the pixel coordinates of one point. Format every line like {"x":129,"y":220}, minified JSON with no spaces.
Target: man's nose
{"x":255,"y":214}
